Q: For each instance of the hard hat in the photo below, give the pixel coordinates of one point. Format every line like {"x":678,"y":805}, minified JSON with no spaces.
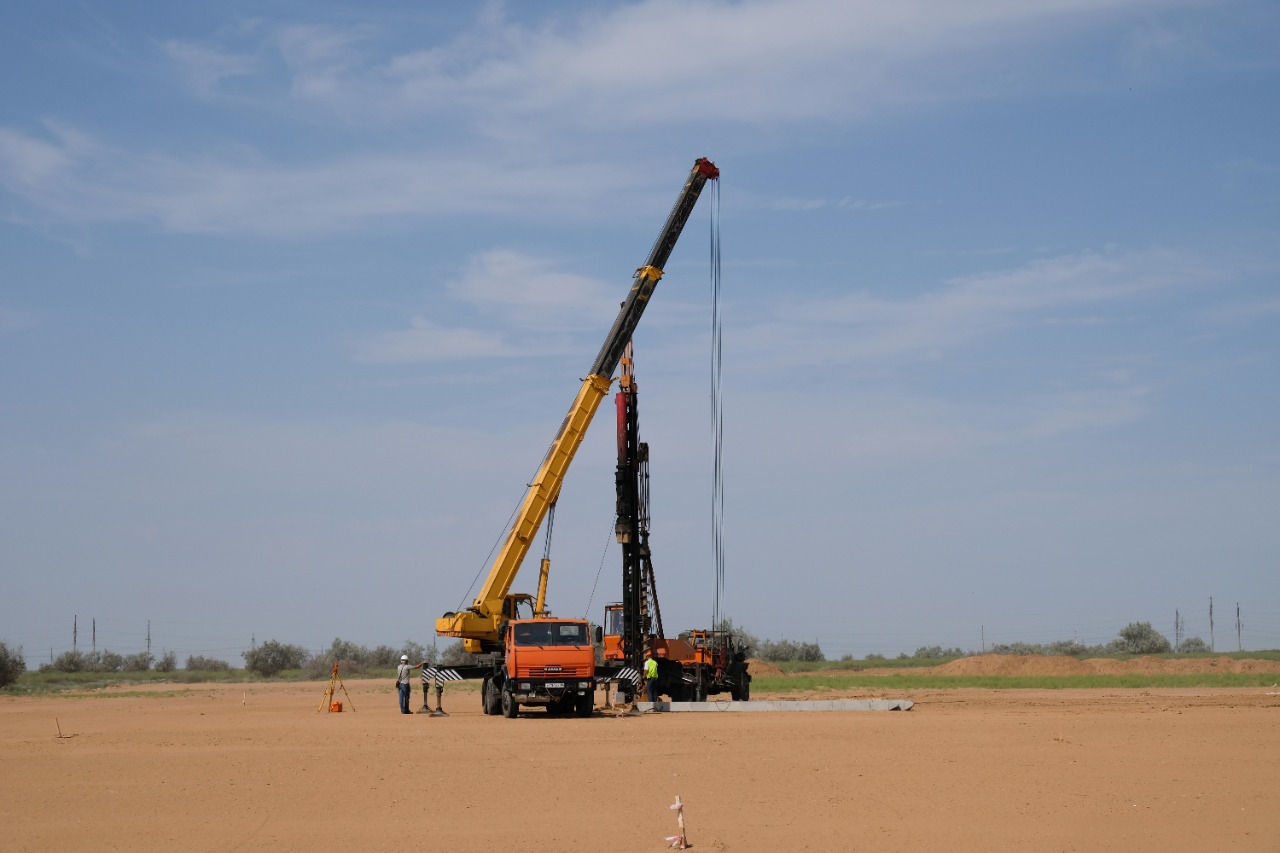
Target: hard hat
{"x":404,"y":657}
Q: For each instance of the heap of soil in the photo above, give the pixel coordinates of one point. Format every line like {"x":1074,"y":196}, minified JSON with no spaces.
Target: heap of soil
{"x":755,"y":666}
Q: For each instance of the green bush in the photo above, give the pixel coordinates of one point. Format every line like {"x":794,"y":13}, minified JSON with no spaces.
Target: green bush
{"x":785,"y":650}
{"x":105,"y":661}
{"x":203,"y":664}
{"x":355,"y":659}
{"x":95,"y":661}
{"x":1139,"y":638}
{"x":455,"y":654}
{"x":72,"y":661}
{"x":12,"y":664}
{"x":273,"y":657}
{"x":319,"y":668}
{"x":140,"y":662}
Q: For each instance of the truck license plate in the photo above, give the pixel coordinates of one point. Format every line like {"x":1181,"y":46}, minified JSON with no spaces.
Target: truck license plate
{"x":555,"y":685}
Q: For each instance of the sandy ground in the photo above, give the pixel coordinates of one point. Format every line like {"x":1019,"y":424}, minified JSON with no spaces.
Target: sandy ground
{"x":257,"y":768}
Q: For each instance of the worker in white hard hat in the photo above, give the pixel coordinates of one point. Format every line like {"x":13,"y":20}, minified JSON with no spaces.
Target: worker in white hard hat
{"x":402,"y":683}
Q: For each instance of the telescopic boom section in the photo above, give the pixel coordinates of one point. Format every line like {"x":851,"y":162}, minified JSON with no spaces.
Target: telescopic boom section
{"x":480,"y":624}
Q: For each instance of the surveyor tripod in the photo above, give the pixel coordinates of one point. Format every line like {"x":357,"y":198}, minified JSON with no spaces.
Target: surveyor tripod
{"x":330,"y":693}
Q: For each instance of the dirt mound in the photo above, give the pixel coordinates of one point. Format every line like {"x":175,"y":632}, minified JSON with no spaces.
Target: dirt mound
{"x":1013,"y":665}
{"x":755,"y":666}
{"x":1183,"y":666}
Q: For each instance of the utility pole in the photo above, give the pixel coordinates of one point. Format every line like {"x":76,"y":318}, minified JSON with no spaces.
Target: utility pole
{"x":1239,"y":645}
{"x":1212,"y":648}
{"x":148,"y":636}
{"x":75,"y":631}
{"x":93,"y":622}
{"x":1177,"y":630}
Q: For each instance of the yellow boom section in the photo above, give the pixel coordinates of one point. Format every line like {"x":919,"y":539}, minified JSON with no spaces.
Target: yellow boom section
{"x":480,"y":623}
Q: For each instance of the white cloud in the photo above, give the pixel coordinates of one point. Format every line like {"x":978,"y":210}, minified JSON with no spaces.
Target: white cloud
{"x":530,"y":291}
{"x":530,"y":308}
{"x":865,"y":329}
{"x":752,"y":62}
{"x":499,"y":95}
{"x":80,"y":179}
{"x":29,"y":162}
{"x":204,"y":68}
{"x":426,"y":340}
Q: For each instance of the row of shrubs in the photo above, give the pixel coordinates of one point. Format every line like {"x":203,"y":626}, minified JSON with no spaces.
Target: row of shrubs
{"x":13,"y":664}
{"x":273,"y":657}
{"x":1136,"y":638}
{"x":268,"y":659}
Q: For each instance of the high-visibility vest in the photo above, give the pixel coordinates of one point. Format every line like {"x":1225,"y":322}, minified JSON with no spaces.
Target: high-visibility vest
{"x":650,"y":668}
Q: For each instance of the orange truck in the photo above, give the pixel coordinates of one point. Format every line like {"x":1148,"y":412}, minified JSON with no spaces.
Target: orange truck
{"x":548,"y":662}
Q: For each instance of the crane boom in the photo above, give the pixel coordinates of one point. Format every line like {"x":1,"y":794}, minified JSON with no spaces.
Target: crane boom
{"x":480,"y":625}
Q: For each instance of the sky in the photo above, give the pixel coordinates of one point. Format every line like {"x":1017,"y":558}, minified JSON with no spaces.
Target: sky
{"x":293,"y":297}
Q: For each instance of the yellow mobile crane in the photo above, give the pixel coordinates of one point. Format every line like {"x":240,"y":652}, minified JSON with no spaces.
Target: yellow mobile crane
{"x":487,"y":626}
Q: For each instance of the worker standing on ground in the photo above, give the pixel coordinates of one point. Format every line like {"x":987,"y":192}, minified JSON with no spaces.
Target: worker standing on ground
{"x":402,"y":683}
{"x":650,"y":676}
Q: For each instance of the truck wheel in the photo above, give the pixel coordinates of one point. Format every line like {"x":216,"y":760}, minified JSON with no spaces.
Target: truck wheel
{"x":586,"y":705}
{"x":490,"y":701}
{"x":510,"y":707}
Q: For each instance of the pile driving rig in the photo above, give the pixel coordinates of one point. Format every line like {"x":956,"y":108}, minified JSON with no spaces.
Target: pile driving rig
{"x":698,"y":663}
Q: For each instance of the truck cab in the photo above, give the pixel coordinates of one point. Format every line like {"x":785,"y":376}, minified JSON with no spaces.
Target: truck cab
{"x":546,"y":661}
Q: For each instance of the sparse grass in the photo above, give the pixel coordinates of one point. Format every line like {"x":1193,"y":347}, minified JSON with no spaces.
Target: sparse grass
{"x":126,"y":694}
{"x":37,"y":683}
{"x":909,"y":681}
{"x":907,"y":664}
{"x":67,"y":683}
{"x":887,"y":664}
{"x":799,"y":677}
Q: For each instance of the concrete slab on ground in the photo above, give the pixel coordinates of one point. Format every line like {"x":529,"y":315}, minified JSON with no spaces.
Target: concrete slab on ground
{"x":712,"y":706}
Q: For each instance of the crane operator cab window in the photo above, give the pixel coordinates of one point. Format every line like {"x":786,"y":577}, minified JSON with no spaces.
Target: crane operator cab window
{"x":614,"y":622}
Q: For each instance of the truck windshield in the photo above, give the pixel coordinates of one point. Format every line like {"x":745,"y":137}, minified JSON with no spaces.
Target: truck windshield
{"x":551,"y":634}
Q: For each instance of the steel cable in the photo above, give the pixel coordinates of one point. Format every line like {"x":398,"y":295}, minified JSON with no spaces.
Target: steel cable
{"x":717,"y":415}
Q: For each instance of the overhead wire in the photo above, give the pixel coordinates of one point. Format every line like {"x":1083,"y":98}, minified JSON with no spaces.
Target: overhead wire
{"x":600,"y":568}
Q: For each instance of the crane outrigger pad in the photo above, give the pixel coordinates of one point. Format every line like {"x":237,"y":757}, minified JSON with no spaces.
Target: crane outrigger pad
{"x":713,"y":706}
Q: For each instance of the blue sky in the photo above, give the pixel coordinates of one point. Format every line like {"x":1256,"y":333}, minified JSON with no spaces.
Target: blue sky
{"x":294,"y":295}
